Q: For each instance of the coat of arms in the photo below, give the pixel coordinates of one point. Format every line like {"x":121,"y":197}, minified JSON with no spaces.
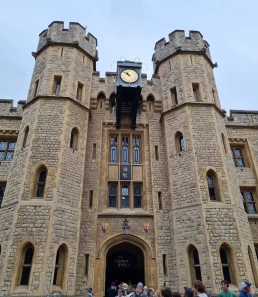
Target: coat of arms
{"x":104,"y":227}
{"x":146,"y":227}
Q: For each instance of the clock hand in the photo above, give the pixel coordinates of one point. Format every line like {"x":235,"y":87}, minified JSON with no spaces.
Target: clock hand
{"x":127,"y":73}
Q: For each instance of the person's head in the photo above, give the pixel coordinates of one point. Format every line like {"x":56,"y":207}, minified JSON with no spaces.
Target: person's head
{"x":113,"y":285}
{"x":189,"y":292}
{"x":120,"y":292}
{"x":145,"y":288}
{"x":166,"y":292}
{"x":245,"y":286}
{"x":139,"y":287}
{"x":89,"y":289}
{"x":198,"y":287}
{"x":157,"y":293}
{"x":176,"y":294}
{"x":224,"y":285}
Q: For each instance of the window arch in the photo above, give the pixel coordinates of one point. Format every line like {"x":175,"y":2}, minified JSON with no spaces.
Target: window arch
{"x":213,"y":187}
{"x":74,"y":139}
{"x":194,"y":262}
{"x":226,"y":263}
{"x":26,"y":264}
{"x":60,"y":266}
{"x":41,"y":182}
{"x":112,"y":196}
{"x":150,"y":102}
{"x":253,"y":266}
{"x":112,"y":103}
{"x":25,"y":137}
{"x":136,"y":150}
{"x":101,"y":99}
{"x":179,"y":141}
{"x":125,"y":149}
{"x":224,"y":143}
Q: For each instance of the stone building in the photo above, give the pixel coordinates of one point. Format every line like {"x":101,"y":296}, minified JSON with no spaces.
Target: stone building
{"x":89,"y":196}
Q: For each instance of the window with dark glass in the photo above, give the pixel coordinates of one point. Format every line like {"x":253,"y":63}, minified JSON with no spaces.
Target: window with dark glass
{"x":112,"y":196}
{"x":125,"y":149}
{"x":7,"y":148}
{"x":60,"y":266}
{"x":136,"y":150}
{"x":26,"y":266}
{"x":125,"y":197}
{"x":91,"y":199}
{"x":196,"y":92}
{"x":87,"y":256}
{"x":181,"y":143}
{"x":94,"y":151}
{"x":113,"y":149}
{"x":211,"y":186}
{"x":41,"y":182}
{"x":238,"y":157}
{"x":249,"y":202}
{"x":196,"y":265}
{"x":57,"y":267}
{"x":2,"y":190}
{"x":160,"y":201}
{"x":137,"y":191}
{"x":57,"y":84}
{"x":74,"y":139}
{"x":164,"y":260}
{"x":225,"y":264}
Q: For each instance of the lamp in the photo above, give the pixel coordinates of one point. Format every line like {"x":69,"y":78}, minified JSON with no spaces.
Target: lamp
{"x":126,"y":227}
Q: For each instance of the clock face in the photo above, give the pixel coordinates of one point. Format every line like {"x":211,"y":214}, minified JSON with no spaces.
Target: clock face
{"x":129,"y":75}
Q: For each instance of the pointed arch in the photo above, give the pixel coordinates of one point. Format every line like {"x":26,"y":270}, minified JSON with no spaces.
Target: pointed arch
{"x":194,"y":263}
{"x":25,"y":136}
{"x":213,"y":185}
{"x":150,"y":102}
{"x":101,"y":100}
{"x":60,"y":271}
{"x":227,"y":264}
{"x":179,"y":142}
{"x":112,"y":103}
{"x":253,"y":266}
{"x":74,"y":138}
{"x":41,"y":179}
{"x":25,"y":266}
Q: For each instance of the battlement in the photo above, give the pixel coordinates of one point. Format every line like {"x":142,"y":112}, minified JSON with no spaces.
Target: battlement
{"x":178,"y":42}
{"x":75,"y":34}
{"x":7,"y":108}
{"x":242,"y":118}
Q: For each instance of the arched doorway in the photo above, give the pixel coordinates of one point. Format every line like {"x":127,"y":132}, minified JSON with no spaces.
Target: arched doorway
{"x":124,"y":263}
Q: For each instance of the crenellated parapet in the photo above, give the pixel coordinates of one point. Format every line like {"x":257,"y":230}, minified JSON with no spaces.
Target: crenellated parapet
{"x":75,"y":35}
{"x":179,"y":43}
{"x":8,"y":110}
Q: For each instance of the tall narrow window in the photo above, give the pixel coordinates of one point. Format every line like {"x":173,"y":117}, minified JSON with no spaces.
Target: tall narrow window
{"x":164,"y":260}
{"x":74,"y":139}
{"x":36,"y":87}
{"x":191,"y":59}
{"x":156,"y":153}
{"x":196,"y":92}
{"x":173,"y":93}
{"x":113,"y":149}
{"x":101,"y":100}
{"x":225,"y":264}
{"x":112,"y":196}
{"x":249,"y":201}
{"x":25,"y":136}
{"x":125,"y":149}
{"x":224,"y":143}
{"x":139,"y":109}
{"x":112,"y":103}
{"x":2,"y":190}
{"x":179,"y":141}
{"x":136,"y":150}
{"x":212,"y":185}
{"x":137,"y":196}
{"x":62,"y":51}
{"x":41,"y":183}
{"x":79,"y":91}
{"x":253,"y":266}
{"x":86,"y":265}
{"x":125,"y":197}
{"x":7,"y":148}
{"x":60,"y":266}
{"x":57,"y":84}
{"x":151,"y":102}
{"x":160,"y":201}
{"x":238,"y":157}
{"x":91,"y":199}
{"x":194,"y":262}
{"x":169,"y":64}
{"x":26,"y":265}
{"x":94,"y":151}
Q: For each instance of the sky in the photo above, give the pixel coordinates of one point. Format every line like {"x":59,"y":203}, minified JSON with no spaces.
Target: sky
{"x":130,"y":29}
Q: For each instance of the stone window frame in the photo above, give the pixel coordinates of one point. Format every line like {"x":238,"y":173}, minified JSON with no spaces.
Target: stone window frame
{"x":231,"y":262}
{"x":80,"y":91}
{"x":112,"y":103}
{"x":249,"y":189}
{"x":196,"y":92}
{"x":215,"y":187}
{"x":150,"y":103}
{"x":241,"y":144}
{"x":34,"y":183}
{"x":179,"y":142}
{"x":194,"y":262}
{"x":101,"y":100}
{"x":75,"y":139}
{"x":57,"y":84}
{"x":59,"y":276}
{"x":8,"y":139}
{"x":173,"y":96}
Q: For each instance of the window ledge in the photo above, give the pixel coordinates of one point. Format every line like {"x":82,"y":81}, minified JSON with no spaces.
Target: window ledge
{"x":252,"y":216}
{"x":125,"y":212}
{"x":56,"y":289}
{"x":21,"y":289}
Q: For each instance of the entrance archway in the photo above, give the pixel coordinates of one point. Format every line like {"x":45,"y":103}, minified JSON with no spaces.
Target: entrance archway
{"x":124,"y":263}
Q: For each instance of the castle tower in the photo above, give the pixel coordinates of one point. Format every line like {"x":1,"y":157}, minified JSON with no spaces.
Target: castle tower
{"x":44,"y":188}
{"x":209,"y":225}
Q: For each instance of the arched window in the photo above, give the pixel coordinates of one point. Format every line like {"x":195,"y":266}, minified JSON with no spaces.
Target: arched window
{"x":179,"y":141}
{"x":125,"y":149}
{"x":41,"y":182}
{"x":194,"y":262}
{"x":113,"y":149}
{"x":27,"y":258}
{"x":226,"y":263}
{"x":136,"y":150}
{"x":101,"y":99}
{"x":213,"y":185}
{"x":224,"y":143}
{"x":25,"y":137}
{"x":137,"y":192}
{"x":74,"y":139}
{"x":150,"y":102}
{"x":112,"y":103}
{"x":125,"y":197}
{"x":112,"y":196}
{"x":60,"y":266}
{"x":253,"y":266}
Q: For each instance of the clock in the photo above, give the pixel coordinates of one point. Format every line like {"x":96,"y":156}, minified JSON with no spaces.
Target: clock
{"x":129,"y":75}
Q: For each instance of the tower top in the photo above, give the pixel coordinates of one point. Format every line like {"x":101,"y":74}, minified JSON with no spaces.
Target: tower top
{"x":74,"y":35}
{"x":179,"y":43}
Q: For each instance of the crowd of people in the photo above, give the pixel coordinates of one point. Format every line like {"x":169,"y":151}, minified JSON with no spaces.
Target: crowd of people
{"x":198,"y":289}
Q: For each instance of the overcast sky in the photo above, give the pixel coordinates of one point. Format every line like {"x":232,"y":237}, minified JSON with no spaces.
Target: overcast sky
{"x":130,"y":28}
